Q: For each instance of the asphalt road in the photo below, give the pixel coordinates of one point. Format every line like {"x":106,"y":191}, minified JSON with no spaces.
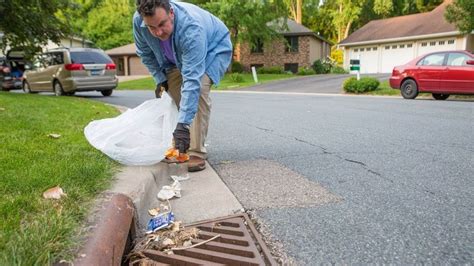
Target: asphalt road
{"x":331,"y":83}
{"x":345,"y":179}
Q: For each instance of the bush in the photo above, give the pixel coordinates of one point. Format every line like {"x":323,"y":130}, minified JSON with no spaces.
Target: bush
{"x":237,"y":67}
{"x":303,"y":71}
{"x":321,"y":67}
{"x":365,"y":84}
{"x":270,"y":70}
{"x":338,"y":70}
{"x":236,"y":77}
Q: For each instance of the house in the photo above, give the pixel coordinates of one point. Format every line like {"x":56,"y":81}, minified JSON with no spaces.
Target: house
{"x":65,"y":42}
{"x":127,"y":61}
{"x":304,"y":47}
{"x":383,"y":44}
{"x":299,"y":47}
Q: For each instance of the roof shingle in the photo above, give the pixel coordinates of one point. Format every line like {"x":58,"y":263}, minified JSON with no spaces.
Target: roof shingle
{"x":404,"y":26}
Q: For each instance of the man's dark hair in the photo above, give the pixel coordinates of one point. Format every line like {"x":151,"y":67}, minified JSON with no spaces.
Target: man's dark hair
{"x":148,"y":7}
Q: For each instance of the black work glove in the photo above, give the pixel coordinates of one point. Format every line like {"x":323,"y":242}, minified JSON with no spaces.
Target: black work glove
{"x":181,"y":137}
{"x":160,"y":88}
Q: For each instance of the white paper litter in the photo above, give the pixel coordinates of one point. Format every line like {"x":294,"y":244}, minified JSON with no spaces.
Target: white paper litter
{"x":168,"y":192}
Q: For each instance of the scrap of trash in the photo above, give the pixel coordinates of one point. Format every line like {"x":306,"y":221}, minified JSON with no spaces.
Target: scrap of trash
{"x":54,"y":193}
{"x":165,"y":235}
{"x":54,"y":136}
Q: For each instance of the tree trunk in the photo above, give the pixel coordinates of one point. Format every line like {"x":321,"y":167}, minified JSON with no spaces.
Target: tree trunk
{"x":299,"y":15}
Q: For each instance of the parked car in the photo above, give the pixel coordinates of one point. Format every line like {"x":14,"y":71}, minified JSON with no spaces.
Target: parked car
{"x":67,"y":70}
{"x":12,"y":68}
{"x":441,"y":73}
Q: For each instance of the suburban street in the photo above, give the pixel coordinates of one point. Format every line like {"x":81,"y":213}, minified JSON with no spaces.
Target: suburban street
{"x":347,"y":179}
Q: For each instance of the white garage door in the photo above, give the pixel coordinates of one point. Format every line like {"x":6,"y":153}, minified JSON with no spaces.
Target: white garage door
{"x":368,"y":57}
{"x":425,"y":47}
{"x":395,"y":54}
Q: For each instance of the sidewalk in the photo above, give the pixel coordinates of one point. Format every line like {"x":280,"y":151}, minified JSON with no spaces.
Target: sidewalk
{"x":133,"y":77}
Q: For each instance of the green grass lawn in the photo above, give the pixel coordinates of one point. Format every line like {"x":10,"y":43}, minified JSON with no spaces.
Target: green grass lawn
{"x":225,"y":84}
{"x":33,"y":230}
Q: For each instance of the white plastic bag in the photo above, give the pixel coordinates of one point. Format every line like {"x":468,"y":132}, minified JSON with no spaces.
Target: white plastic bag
{"x":140,"y":136}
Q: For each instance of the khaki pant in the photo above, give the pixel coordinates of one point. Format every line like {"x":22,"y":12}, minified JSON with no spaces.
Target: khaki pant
{"x":200,"y":124}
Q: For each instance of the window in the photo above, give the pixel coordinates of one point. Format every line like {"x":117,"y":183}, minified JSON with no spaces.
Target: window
{"x":387,"y":47}
{"x":368,"y":49}
{"x":90,"y":57}
{"x":394,"y":47}
{"x":432,"y":60}
{"x":362,"y":49}
{"x":402,"y":46}
{"x":293,"y":67}
{"x":356,"y":50}
{"x":375,"y":48}
{"x":441,"y":42}
{"x":450,"y":41}
{"x":432,"y":43}
{"x":457,"y":59}
{"x":409,"y":45}
{"x":57,"y":58}
{"x":291,"y":44}
{"x":257,"y":47}
{"x":423,"y":44}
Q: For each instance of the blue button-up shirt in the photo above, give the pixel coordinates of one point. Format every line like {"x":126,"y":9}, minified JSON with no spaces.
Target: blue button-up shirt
{"x":201,"y":45}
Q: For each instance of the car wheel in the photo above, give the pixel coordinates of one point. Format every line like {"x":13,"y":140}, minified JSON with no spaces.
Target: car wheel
{"x":409,"y":89}
{"x":58,"y":89}
{"x":107,"y":92}
{"x":439,"y":96}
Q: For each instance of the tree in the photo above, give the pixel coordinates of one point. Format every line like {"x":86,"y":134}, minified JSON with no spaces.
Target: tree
{"x":461,"y":14}
{"x":295,"y":8}
{"x":347,"y":11}
{"x":249,"y":21}
{"x":110,"y":24}
{"x":383,"y":7}
{"x":30,"y":24}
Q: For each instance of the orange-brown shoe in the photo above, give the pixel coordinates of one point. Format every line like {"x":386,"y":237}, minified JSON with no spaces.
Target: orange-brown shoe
{"x":196,"y":164}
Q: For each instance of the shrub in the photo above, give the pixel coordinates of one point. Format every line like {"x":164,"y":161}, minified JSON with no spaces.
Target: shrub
{"x":337,"y":55}
{"x":321,"y":67}
{"x":236,"y":77}
{"x":338,"y":70}
{"x":237,"y":67}
{"x":270,"y":70}
{"x":303,"y":71}
{"x":365,"y":84}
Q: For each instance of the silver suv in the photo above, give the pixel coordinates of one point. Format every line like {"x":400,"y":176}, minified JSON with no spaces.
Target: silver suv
{"x":67,"y":70}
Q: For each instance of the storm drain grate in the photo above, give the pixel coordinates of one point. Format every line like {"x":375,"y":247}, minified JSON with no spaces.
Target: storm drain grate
{"x":239,"y":244}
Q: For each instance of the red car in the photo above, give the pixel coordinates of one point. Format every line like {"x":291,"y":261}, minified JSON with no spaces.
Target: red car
{"x":441,"y":73}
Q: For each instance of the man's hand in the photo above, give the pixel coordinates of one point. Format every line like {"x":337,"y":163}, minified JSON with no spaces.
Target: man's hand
{"x":160,"y":88}
{"x":181,"y":137}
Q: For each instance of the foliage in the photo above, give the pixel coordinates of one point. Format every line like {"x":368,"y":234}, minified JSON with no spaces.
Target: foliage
{"x":237,"y":67}
{"x":271,"y":70}
{"x":365,"y":84}
{"x":338,"y":70}
{"x":304,"y":71}
{"x":461,"y":14}
{"x":337,"y":55}
{"x":29,"y":24}
{"x":383,"y":7}
{"x":321,"y":66}
{"x":249,"y":21}
{"x":107,"y":23}
{"x":236,"y":77}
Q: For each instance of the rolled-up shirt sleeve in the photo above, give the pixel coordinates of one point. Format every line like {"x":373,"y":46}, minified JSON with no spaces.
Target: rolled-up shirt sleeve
{"x":193,"y":68}
{"x":146,"y":54}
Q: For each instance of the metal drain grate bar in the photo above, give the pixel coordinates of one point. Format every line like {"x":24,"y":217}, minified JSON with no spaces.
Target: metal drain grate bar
{"x":239,"y":244}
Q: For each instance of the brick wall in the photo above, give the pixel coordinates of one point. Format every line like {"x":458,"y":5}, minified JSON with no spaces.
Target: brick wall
{"x":274,"y":54}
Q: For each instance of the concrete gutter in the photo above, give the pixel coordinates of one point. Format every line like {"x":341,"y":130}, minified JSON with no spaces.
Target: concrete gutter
{"x":122,"y":213}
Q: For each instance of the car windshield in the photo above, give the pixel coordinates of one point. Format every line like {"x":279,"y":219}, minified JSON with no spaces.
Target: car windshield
{"x":90,"y":57}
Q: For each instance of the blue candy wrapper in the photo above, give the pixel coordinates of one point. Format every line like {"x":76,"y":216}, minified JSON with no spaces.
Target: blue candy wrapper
{"x":160,"y":221}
